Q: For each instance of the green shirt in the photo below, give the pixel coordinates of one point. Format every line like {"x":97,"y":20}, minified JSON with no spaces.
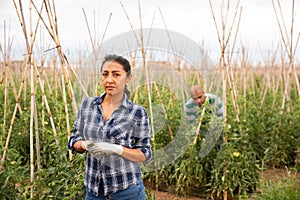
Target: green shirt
{"x":192,"y":110}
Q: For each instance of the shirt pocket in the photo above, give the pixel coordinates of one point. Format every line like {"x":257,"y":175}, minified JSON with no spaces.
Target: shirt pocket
{"x":93,"y":124}
{"x":122,"y":129}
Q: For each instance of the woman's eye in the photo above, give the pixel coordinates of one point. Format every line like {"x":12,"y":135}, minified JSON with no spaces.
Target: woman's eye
{"x":104,"y":74}
{"x":115,"y":75}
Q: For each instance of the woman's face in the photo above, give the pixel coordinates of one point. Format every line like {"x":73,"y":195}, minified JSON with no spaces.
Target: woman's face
{"x":113,"y":78}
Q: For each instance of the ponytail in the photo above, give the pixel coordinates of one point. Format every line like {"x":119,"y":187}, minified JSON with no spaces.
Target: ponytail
{"x":126,"y":91}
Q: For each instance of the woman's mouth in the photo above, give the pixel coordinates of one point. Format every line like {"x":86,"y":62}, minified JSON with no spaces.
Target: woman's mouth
{"x":110,"y":87}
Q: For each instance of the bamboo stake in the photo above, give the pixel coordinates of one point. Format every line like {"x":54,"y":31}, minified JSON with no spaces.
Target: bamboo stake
{"x":43,"y":117}
{"x":14,"y":113}
{"x":66,"y":112}
{"x":244,"y":78}
{"x":231,"y":88}
{"x":93,"y":43}
{"x":287,"y":40}
{"x":70,"y":87}
{"x":263,"y":96}
{"x":3,"y":51}
{"x":36,"y":123}
{"x":55,"y":77}
{"x":131,"y":26}
{"x":32,"y":104}
{"x":199,"y":126}
{"x":276,"y":90}
{"x":38,"y":75}
{"x":23,"y":26}
{"x":170,"y":41}
{"x":230,"y":78}
{"x":12,"y":83}
{"x":5,"y":92}
{"x":163,"y":108}
{"x":53,"y":31}
{"x":32,"y":110}
{"x":223,"y":45}
{"x":47,"y":105}
{"x":22,"y":21}
{"x":173,"y":49}
{"x":54,"y":35}
{"x":146,"y":72}
{"x":49,"y":85}
{"x":29,"y":47}
{"x":5,"y":95}
{"x":223,"y":42}
{"x":225,"y":117}
{"x":149,"y":88}
{"x":43,"y":75}
{"x":37,"y":139}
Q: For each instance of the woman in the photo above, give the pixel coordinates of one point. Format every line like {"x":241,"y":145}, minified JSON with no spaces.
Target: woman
{"x":115,"y":133}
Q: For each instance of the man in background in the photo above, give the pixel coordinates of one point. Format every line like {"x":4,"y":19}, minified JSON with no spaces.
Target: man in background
{"x":198,"y":98}
{"x":206,"y":106}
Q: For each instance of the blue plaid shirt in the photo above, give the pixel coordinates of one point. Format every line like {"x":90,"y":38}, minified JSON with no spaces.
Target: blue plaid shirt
{"x":127,"y":126}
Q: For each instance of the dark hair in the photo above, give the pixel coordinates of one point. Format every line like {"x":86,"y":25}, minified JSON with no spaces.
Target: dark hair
{"x":122,"y":61}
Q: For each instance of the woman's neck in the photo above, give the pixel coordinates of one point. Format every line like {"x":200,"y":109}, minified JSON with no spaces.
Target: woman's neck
{"x":114,"y":100}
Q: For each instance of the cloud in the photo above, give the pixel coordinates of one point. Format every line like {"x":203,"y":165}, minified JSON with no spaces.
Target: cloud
{"x":192,"y":18}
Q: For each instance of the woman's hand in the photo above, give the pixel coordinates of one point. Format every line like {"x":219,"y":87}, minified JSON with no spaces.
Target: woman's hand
{"x":102,"y":148}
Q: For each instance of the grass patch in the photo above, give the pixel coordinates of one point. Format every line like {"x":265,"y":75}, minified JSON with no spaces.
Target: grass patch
{"x":287,"y":188}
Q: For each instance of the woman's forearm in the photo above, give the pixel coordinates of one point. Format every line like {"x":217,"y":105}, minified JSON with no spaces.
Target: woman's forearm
{"x":134,"y":155}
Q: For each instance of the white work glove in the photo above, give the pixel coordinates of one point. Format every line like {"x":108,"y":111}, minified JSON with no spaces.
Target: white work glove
{"x":100,"y":149}
{"x":85,"y":144}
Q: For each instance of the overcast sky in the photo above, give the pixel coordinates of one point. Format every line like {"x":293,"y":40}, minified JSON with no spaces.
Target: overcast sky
{"x":258,"y":30}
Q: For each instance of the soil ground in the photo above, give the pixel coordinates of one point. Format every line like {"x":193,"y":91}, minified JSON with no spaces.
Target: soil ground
{"x":269,"y":174}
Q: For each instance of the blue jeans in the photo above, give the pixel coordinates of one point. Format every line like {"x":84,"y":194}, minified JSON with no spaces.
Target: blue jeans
{"x":134,"y":192}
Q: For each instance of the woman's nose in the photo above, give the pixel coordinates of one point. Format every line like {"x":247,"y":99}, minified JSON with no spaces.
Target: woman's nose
{"x":109,"y":78}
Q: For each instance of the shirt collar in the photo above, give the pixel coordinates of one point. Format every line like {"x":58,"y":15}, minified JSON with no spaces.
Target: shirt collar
{"x":99,"y":99}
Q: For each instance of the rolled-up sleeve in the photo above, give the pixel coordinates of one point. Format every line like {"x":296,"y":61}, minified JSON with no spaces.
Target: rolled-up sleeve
{"x":143,"y":135}
{"x":78,"y":129}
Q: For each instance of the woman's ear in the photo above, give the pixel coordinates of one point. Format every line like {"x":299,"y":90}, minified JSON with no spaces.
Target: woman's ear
{"x":128,"y":79}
